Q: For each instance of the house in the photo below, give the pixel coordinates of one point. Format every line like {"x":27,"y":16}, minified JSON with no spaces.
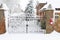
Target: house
{"x":57,"y":20}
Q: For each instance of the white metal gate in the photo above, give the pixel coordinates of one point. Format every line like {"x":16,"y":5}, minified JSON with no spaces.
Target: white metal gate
{"x":18,"y":24}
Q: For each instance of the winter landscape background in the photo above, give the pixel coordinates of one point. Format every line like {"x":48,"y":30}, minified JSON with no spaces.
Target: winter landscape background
{"x":31,"y":36}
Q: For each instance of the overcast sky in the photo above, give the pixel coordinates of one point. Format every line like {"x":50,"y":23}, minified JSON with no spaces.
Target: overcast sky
{"x":23,"y":3}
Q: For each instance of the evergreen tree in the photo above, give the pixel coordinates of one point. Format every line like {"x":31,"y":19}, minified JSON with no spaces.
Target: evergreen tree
{"x":29,"y":10}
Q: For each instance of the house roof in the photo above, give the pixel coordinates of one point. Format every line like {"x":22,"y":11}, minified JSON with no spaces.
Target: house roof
{"x":57,"y":8}
{"x":40,"y":5}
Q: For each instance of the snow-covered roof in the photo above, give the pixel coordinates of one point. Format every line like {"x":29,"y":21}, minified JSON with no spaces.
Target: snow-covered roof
{"x":47,"y":7}
{"x":40,"y":5}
